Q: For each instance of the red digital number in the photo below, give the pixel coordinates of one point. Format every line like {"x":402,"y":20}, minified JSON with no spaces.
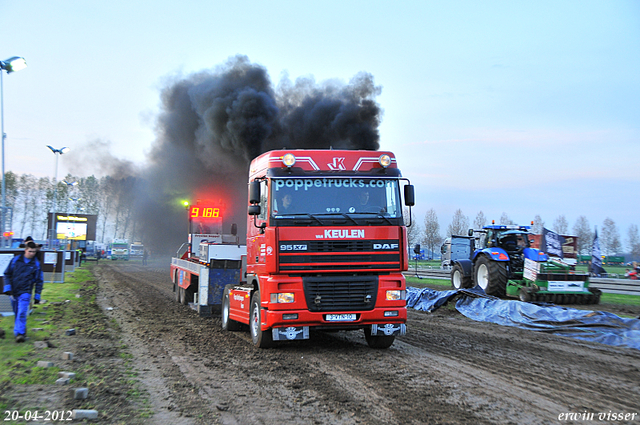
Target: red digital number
{"x":205,"y":212}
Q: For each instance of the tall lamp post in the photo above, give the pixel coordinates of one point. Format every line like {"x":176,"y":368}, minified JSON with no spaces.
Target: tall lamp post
{"x":10,"y":65}
{"x":57,"y":153}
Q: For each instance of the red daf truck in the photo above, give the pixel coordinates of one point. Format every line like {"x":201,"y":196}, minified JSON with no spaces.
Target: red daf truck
{"x":326,"y":247}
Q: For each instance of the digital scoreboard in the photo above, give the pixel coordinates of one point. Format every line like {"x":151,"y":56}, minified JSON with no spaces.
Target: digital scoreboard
{"x":202,"y":212}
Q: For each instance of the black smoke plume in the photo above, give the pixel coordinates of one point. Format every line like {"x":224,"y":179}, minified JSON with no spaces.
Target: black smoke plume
{"x":212,"y":123}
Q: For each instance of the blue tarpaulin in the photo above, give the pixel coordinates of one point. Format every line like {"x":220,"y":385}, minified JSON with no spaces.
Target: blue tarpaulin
{"x":596,"y":326}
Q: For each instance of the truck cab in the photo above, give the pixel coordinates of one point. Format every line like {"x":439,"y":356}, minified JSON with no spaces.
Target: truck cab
{"x":326,"y":246}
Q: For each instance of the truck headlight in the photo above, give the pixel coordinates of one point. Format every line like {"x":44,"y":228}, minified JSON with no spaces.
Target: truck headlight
{"x":282,"y":297}
{"x":396,"y":295}
{"x":288,"y":160}
{"x":384,"y":160}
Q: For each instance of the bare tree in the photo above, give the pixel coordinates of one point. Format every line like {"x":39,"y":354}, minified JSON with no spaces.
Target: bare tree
{"x":106,"y":203}
{"x":480,"y":221}
{"x":89,"y":191}
{"x":634,"y":241}
{"x":11,"y":191}
{"x":26,"y":185}
{"x":459,"y":225}
{"x":432,"y":238}
{"x":414,"y":233}
{"x":582,"y":230}
{"x":560,"y":225}
{"x":46,"y":203}
{"x":504,"y":219}
{"x":609,"y":237}
{"x":538,"y":225}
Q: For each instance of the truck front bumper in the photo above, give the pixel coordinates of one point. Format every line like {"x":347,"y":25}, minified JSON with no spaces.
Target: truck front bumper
{"x":295,"y":324}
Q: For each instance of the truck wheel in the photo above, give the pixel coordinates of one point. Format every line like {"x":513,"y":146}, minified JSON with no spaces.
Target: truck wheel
{"x":176,"y":288}
{"x":260,"y":338}
{"x":189,"y":294}
{"x":491,"y":276}
{"x":228,"y":324}
{"x":375,"y":341}
{"x":458,"y":279}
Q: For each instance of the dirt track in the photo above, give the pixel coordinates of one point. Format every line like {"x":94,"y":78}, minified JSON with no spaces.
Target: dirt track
{"x":446,"y":370}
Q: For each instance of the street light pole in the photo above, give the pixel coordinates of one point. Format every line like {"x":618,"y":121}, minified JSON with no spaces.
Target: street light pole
{"x":10,"y":65}
{"x":57,"y":153}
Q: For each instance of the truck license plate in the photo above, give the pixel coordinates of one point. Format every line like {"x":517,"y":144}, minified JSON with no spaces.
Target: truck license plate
{"x":350,"y":317}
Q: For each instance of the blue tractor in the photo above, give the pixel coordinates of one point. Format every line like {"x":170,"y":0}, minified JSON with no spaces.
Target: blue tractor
{"x":503,"y":263}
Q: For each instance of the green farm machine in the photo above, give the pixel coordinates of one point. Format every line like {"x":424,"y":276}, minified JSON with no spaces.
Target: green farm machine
{"x":502,"y":262}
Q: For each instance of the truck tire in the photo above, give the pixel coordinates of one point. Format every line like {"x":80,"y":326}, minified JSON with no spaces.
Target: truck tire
{"x":458,"y":279}
{"x":228,"y":324}
{"x":176,"y":288}
{"x":189,"y":293}
{"x":260,"y":338}
{"x":491,"y":276}
{"x":181,"y":297}
{"x":375,"y":341}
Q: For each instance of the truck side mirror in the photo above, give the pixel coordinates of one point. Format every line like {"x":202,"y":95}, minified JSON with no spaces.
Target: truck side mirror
{"x":253,"y":210}
{"x":409,"y":195}
{"x":470,"y":232}
{"x":416,"y":249}
{"x":254,"y":193}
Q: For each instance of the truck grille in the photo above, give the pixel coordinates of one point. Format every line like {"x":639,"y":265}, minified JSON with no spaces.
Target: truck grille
{"x":340,"y":293}
{"x":326,"y":255}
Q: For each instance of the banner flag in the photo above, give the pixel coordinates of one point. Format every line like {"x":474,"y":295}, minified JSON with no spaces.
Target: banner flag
{"x":552,"y":243}
{"x":596,"y":258}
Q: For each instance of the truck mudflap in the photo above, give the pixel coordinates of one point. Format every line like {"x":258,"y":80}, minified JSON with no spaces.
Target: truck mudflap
{"x":290,"y":333}
{"x":388,"y":329}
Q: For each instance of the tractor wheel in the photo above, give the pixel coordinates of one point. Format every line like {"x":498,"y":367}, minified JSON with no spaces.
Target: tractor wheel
{"x":227,"y":323}
{"x":491,"y":276}
{"x":595,"y":292}
{"x":524,"y":295}
{"x":260,"y":338}
{"x":458,"y":279}
{"x":378,"y":341}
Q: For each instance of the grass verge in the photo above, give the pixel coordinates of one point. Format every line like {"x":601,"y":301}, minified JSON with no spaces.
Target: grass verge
{"x":100,"y":361}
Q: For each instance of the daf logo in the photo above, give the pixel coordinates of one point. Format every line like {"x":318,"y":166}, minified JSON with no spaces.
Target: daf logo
{"x":291,"y":247}
{"x":385,"y":246}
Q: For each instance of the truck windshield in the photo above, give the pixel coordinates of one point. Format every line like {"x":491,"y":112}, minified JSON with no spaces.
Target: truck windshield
{"x":354,"y":198}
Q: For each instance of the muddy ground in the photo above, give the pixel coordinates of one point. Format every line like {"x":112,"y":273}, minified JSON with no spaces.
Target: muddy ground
{"x":446,"y":370}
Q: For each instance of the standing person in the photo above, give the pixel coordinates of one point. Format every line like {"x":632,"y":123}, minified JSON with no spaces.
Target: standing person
{"x":21,"y":275}
{"x":145,"y":255}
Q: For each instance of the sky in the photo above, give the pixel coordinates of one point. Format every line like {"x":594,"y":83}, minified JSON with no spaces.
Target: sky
{"x":523,"y":108}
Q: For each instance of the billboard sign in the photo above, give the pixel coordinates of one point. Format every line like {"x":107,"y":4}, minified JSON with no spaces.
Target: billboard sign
{"x":79,"y":227}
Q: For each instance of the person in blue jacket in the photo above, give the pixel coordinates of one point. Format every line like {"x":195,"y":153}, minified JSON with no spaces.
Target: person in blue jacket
{"x":22,"y":274}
